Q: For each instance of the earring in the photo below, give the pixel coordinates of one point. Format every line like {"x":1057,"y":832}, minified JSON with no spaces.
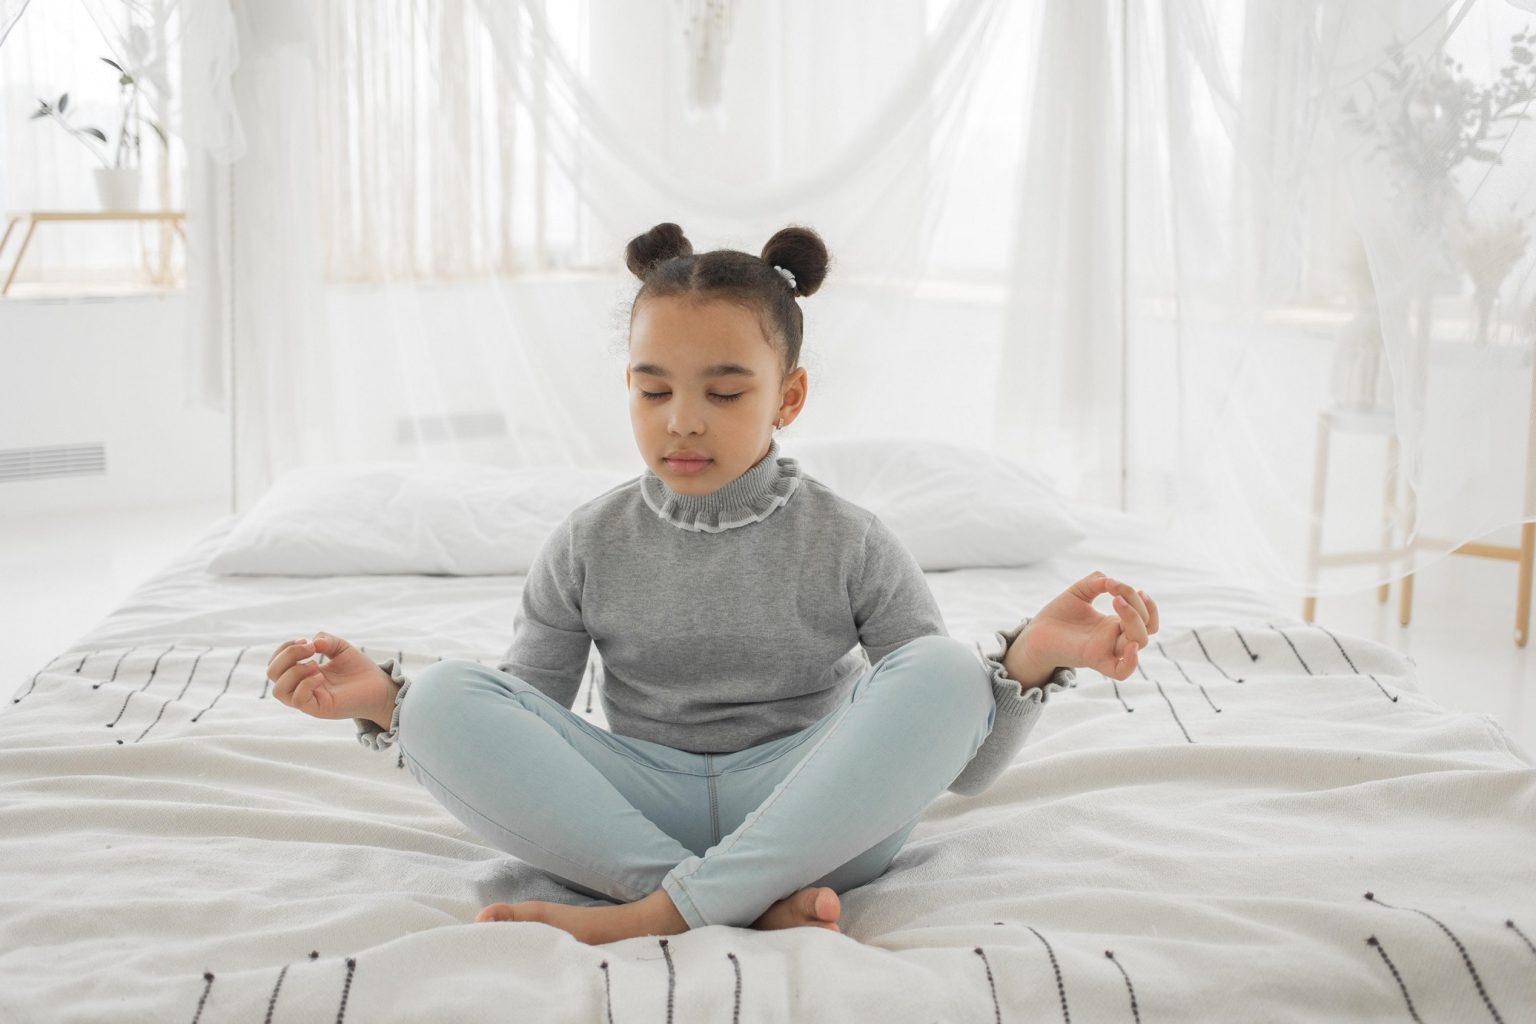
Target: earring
{"x":780,"y":425}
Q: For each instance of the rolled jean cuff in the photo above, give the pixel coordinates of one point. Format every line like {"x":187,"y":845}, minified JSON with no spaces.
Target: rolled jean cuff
{"x":683,"y":902}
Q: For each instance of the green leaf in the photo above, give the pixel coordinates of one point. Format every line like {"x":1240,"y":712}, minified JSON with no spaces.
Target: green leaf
{"x":40,"y":112}
{"x":96,"y":132}
{"x":113,"y":63}
{"x":63,"y":102}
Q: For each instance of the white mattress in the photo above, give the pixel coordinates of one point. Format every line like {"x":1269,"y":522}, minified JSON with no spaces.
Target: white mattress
{"x":1268,"y":821}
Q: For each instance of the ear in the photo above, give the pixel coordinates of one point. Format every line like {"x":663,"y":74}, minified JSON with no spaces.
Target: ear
{"x":795,"y":394}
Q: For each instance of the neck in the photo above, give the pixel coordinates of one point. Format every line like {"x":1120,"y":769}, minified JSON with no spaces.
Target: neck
{"x":750,"y":498}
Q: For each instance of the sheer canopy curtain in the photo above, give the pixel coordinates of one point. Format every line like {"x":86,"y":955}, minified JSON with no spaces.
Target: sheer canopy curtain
{"x":1329,"y":211}
{"x":1143,"y":246}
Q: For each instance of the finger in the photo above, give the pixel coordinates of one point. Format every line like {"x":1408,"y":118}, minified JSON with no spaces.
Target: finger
{"x":1152,"y":616}
{"x":1131,"y":596}
{"x":1135,"y":628}
{"x":1139,"y":602}
{"x":330,"y":646}
{"x":1120,"y":665}
{"x":291,"y":654}
{"x":272,"y":670}
{"x":1089,"y":587}
{"x":1127,"y":661}
{"x":289,"y":681}
{"x":304,"y":693}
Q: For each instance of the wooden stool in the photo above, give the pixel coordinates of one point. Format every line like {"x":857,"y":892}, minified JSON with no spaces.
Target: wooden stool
{"x":1382,"y":421}
{"x":1375,"y":421}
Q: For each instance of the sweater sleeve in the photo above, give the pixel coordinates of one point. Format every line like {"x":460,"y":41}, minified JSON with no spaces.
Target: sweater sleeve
{"x":550,"y":643}
{"x":891,"y":602}
{"x":1018,"y":710}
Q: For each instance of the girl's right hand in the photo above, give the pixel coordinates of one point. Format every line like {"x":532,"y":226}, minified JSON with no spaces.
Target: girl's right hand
{"x":348,"y":685}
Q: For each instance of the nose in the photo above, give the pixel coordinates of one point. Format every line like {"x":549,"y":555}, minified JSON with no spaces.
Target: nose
{"x":684,"y":417}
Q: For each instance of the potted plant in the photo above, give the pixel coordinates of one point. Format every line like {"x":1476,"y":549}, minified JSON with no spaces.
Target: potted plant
{"x":117,"y":180}
{"x":1427,"y":116}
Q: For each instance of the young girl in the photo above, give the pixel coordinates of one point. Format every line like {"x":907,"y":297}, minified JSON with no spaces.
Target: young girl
{"x":756,"y":764}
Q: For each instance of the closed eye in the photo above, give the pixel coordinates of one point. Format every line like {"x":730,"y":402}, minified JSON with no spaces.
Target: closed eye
{"x":654,"y":395}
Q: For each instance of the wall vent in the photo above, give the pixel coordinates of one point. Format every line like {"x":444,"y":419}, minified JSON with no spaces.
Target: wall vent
{"x":52,"y":460}
{"x":426,"y":429}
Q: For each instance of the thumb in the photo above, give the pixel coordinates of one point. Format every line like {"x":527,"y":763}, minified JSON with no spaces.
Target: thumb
{"x":323,"y":642}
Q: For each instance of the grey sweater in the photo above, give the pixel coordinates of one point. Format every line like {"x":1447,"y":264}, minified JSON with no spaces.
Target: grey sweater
{"x":730,"y":619}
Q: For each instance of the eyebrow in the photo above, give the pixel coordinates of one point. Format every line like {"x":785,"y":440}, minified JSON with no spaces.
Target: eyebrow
{"x":722,"y":370}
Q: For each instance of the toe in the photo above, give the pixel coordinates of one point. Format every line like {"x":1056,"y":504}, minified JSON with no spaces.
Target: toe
{"x":495,"y":912}
{"x":824,"y":904}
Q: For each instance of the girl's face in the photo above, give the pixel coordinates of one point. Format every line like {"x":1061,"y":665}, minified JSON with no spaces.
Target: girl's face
{"x":703,"y":381}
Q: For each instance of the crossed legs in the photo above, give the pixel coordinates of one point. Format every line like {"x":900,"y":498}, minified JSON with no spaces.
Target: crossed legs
{"x":625,"y":820}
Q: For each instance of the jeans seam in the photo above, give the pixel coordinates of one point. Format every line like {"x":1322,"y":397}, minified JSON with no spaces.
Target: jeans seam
{"x":714,"y":801}
{"x":682,"y":890}
{"x":794,"y":773}
{"x":559,"y":856}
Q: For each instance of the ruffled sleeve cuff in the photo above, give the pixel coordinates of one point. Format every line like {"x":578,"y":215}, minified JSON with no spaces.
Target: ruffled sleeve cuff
{"x":1018,"y":709}
{"x":368,"y":732}
{"x":1012,"y":697}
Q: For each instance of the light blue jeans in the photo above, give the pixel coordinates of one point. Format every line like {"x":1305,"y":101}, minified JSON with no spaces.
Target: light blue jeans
{"x":727,"y":835}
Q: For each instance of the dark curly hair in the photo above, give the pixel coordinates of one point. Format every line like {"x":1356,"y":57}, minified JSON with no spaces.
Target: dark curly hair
{"x":663,"y":259}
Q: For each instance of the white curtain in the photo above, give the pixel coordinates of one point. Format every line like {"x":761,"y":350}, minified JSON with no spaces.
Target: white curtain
{"x":10,"y":12}
{"x":1146,"y":246}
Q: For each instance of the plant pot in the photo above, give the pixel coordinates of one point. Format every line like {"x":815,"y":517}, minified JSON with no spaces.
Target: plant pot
{"x":118,"y":187}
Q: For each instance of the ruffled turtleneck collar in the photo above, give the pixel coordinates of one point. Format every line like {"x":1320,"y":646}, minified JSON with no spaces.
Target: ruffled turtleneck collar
{"x":750,"y":498}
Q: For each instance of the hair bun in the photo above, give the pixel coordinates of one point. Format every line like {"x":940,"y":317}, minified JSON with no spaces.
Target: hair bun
{"x":800,"y":251}
{"x":663,"y":242}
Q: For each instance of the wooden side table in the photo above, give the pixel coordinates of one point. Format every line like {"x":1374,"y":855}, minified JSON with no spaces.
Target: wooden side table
{"x":33,"y":218}
{"x":1381,"y":421}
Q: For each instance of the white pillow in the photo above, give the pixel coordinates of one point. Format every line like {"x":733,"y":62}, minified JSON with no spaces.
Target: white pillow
{"x":380,"y":518}
{"x":954,"y":507}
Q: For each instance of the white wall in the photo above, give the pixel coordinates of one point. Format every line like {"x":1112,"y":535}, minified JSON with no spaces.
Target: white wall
{"x":108,"y":370}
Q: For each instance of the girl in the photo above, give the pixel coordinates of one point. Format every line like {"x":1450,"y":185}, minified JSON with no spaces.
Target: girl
{"x":756,"y":765}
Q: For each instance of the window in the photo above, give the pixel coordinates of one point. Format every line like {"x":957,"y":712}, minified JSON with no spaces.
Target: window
{"x":49,"y":163}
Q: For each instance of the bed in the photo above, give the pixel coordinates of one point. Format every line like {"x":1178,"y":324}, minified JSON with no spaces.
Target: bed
{"x":1267,"y":821}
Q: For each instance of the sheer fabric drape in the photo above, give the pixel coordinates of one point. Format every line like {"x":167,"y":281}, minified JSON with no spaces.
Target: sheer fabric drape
{"x":1144,"y":246}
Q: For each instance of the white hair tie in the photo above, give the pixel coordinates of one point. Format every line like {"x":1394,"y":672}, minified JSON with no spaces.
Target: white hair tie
{"x":788,"y":276}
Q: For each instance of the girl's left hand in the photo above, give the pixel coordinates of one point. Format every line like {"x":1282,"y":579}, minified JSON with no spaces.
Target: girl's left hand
{"x":1069,"y":633}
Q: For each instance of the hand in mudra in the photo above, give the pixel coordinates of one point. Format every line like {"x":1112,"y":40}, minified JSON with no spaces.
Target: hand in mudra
{"x":1070,"y":633}
{"x":348,"y":685}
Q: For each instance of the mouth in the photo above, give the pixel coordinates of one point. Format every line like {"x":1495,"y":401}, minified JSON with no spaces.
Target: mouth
{"x":687,"y":466}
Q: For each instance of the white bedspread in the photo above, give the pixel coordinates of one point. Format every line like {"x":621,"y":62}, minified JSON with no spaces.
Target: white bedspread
{"x":1268,"y":822}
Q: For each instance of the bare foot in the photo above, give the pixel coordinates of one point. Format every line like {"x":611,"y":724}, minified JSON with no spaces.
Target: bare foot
{"x":654,"y":915}
{"x":815,"y":906}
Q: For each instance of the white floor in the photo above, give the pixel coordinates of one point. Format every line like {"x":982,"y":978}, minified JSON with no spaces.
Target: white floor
{"x":59,"y":575}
